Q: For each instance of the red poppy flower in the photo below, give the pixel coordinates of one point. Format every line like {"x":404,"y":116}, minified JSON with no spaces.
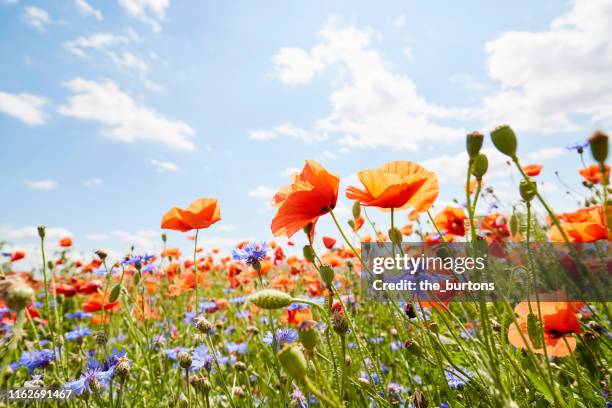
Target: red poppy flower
{"x":329,"y":242}
{"x":65,"y":242}
{"x":532,"y":170}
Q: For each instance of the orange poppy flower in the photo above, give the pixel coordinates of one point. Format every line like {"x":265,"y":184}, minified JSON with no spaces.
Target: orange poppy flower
{"x":451,"y":220}
{"x":312,"y":194}
{"x":398,"y":184}
{"x":202,"y":213}
{"x":593,"y":175}
{"x":585,"y":225}
{"x":358,"y":223}
{"x":407,"y":230}
{"x":532,"y":170}
{"x":65,"y":242}
{"x":96,"y":301}
{"x":559,"y":321}
{"x":171,"y":253}
{"x":329,"y":242}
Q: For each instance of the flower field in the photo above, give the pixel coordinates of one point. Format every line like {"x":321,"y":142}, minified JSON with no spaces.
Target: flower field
{"x":273,"y":325}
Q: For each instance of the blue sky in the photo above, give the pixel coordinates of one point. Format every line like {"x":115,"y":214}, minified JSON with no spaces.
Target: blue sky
{"x":111,"y":112}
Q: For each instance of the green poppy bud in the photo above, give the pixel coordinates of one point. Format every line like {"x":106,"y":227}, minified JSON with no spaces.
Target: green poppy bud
{"x":473,"y":143}
{"x":599,"y":146}
{"x":115,"y":292}
{"x":270,"y":299}
{"x":356,"y":210}
{"x":528,"y":189}
{"x":480,"y":165}
{"x":293,"y":361}
{"x":327,"y":275}
{"x":308,"y":334}
{"x":41,"y":231}
{"x":504,"y":139}
{"x":396,"y":236}
{"x":309,"y":253}
{"x":514,"y":224}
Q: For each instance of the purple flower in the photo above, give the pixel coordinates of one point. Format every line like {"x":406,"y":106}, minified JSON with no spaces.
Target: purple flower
{"x":78,"y":333}
{"x":283,"y":336}
{"x":578,"y":146}
{"x":137,"y":260}
{"x":454,"y":378}
{"x":34,"y":359}
{"x":96,"y":377}
{"x":250,"y":253}
{"x":78,"y":315}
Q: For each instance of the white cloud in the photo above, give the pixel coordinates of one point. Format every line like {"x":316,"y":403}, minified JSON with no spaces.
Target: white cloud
{"x":46,"y":185}
{"x":550,"y":78}
{"x":372,"y":106}
{"x":36,"y":18}
{"x":285,"y":129}
{"x":453,"y":168}
{"x":99,"y":42}
{"x":129,"y":121}
{"x":148,"y":11}
{"x":92,"y":182}
{"x":226,"y":228}
{"x":163,"y":166}
{"x":87,"y":10}
{"x":546,"y":153}
{"x":10,"y":1}
{"x":327,"y":155}
{"x":262,"y":192}
{"x":25,"y":107}
{"x":130,"y":61}
{"x":14,"y":234}
{"x":290,"y":171}
{"x":399,"y":21}
{"x":468,"y":82}
{"x":97,"y":237}
{"x":143,"y":241}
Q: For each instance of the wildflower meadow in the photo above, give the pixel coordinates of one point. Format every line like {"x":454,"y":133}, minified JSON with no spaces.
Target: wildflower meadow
{"x":257,"y":327}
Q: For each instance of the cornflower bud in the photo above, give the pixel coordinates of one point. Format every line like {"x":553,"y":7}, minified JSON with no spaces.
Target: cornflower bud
{"x":100,"y":337}
{"x":184,"y":359}
{"x":203,"y":325}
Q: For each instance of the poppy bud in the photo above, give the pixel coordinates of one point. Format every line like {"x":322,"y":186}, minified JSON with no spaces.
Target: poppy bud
{"x":41,"y":231}
{"x":340,"y":324}
{"x":184,"y":359}
{"x":115,"y":292}
{"x":16,"y":293}
{"x":356,"y":209}
{"x":164,"y":237}
{"x":309,"y":253}
{"x":473,"y":143}
{"x":270,"y":299}
{"x":528,"y":189}
{"x":480,"y":166}
{"x":307,"y":229}
{"x":308,"y":334}
{"x":504,"y":139}
{"x":514,"y":224}
{"x":396,"y":236}
{"x":101,"y":254}
{"x":599,"y":146}
{"x":203,"y":325}
{"x":327,"y":275}
{"x":418,"y":399}
{"x":293,"y":362}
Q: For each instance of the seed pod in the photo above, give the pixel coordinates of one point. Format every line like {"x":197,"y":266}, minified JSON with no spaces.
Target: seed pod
{"x":504,"y":139}
{"x":309,"y":253}
{"x":270,"y":299}
{"x":473,"y":143}
{"x":293,"y":362}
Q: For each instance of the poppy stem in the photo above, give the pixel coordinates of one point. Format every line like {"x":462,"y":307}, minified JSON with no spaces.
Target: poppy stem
{"x":195,"y":270}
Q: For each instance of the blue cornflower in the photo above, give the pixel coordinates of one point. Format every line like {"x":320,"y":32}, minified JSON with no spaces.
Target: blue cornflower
{"x":189,"y":317}
{"x":376,"y":340}
{"x":172,"y":353}
{"x":34,"y":359}
{"x":78,"y":315}
{"x":396,"y":345}
{"x":251,"y":253}
{"x":365,"y":376}
{"x":239,"y":348}
{"x":578,"y":146}
{"x":78,"y":333}
{"x":244,"y":314}
{"x":297,"y":306}
{"x":237,"y":300}
{"x":200,"y":357}
{"x":283,"y":336}
{"x":454,"y":378}
{"x":207,"y":306}
{"x":137,"y":260}
{"x":444,"y":404}
{"x":96,"y":377}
